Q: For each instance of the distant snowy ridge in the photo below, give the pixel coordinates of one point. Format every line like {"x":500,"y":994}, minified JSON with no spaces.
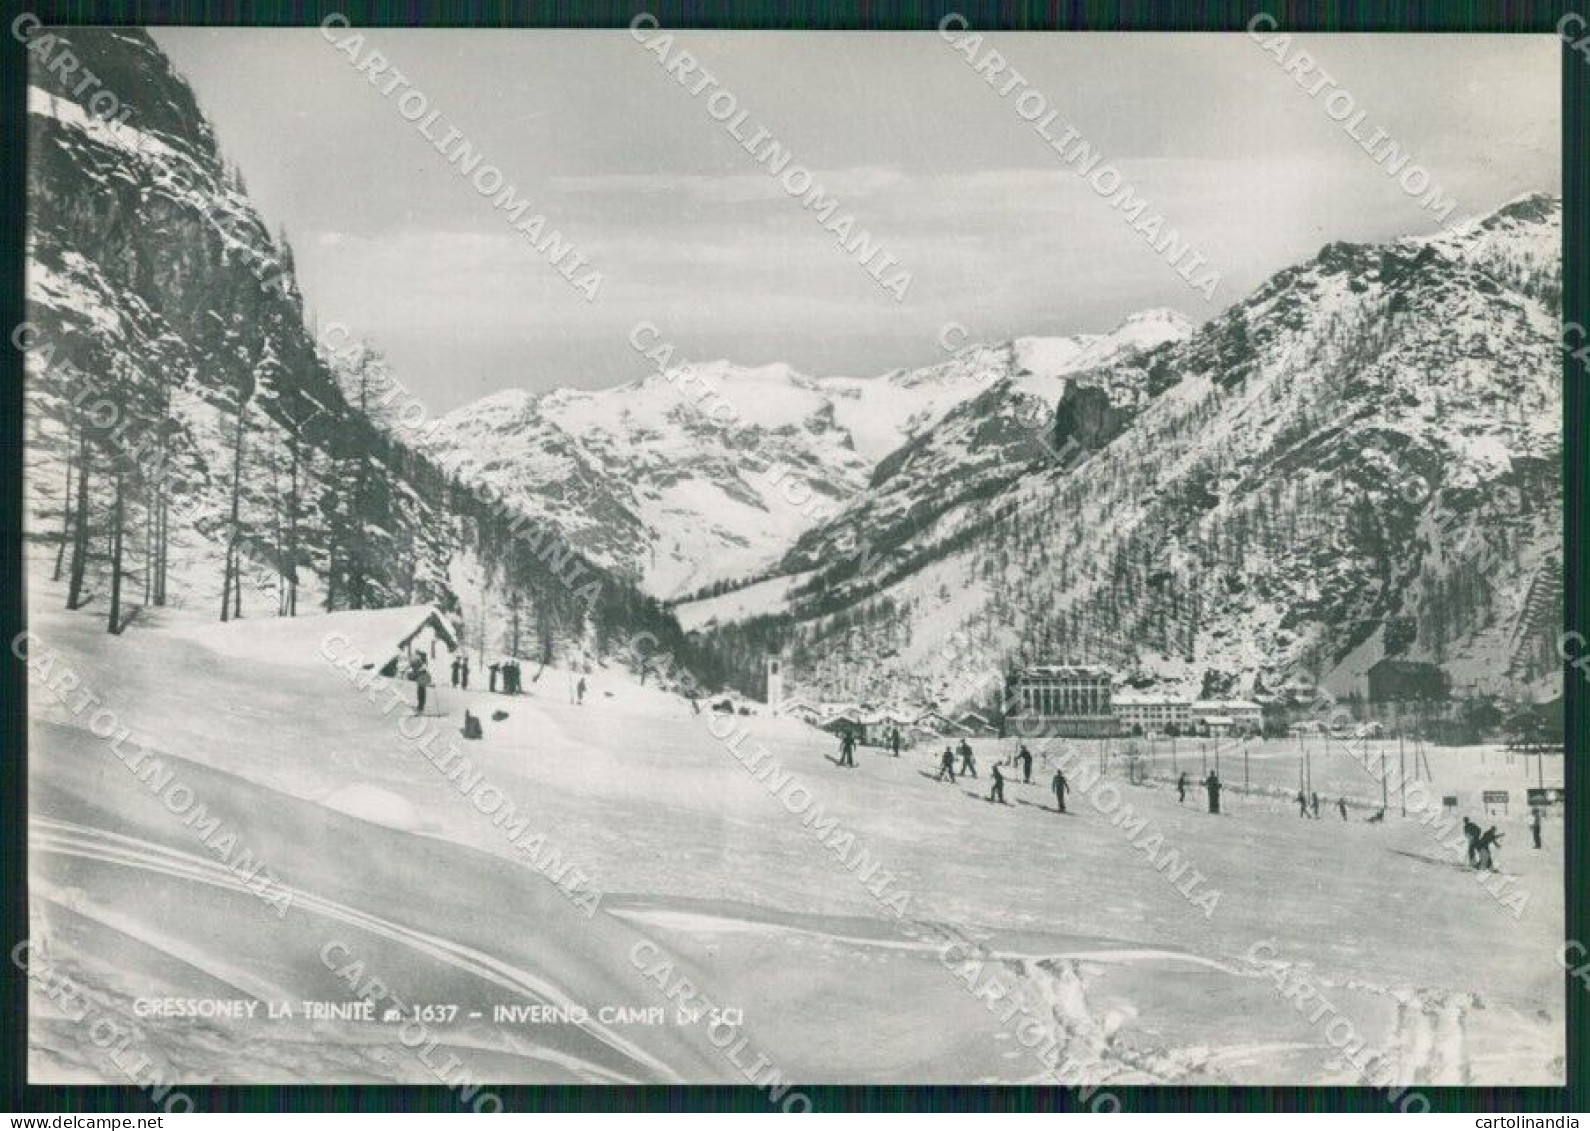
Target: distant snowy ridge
{"x":710,"y":472}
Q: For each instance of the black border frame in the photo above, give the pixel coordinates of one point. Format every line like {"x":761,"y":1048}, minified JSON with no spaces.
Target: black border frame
{"x":1509,"y":16}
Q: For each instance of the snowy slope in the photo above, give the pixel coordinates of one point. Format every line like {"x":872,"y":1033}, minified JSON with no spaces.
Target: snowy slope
{"x":695,"y":857}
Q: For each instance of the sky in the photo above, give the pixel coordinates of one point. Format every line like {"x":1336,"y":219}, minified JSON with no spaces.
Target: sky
{"x":691,"y":235}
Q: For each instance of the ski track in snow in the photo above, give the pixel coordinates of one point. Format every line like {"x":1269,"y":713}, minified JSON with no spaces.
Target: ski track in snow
{"x":1092,"y":1047}
{"x":1428,"y":1042}
{"x":70,"y":839}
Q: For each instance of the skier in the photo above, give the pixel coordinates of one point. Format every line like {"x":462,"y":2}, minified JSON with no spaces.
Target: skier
{"x":847,"y":748}
{"x":996,"y":792}
{"x":1472,"y":832}
{"x":1341,"y":803}
{"x":492,"y":672}
{"x":1212,"y":783}
{"x":1489,"y":840}
{"x":1060,"y":785}
{"x":1314,"y":804}
{"x":1181,"y":789}
{"x":1302,"y":804}
{"x":579,"y":691}
{"x":947,"y":765}
{"x":1534,"y":825}
{"x":1024,"y":756}
{"x":968,"y":765}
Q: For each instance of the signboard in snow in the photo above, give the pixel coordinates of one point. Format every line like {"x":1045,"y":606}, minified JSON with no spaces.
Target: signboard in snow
{"x":1449,"y":801}
{"x":1495,"y":799}
{"x":1544,"y":798}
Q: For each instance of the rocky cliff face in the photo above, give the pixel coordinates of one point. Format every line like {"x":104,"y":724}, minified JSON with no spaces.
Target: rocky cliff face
{"x":174,"y":396}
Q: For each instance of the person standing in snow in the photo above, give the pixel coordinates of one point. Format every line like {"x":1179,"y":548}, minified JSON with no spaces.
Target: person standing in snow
{"x":492,"y":672}
{"x":579,"y":692}
{"x":1314,"y":804}
{"x":1534,"y":825}
{"x":1060,"y":786}
{"x":1181,"y":789}
{"x":1488,"y":841}
{"x":1024,"y":756}
{"x":996,"y":792}
{"x":422,"y":681}
{"x":894,"y":741}
{"x":968,"y":764}
{"x":1302,"y":804}
{"x":455,"y":671}
{"x":947,"y":765}
{"x":1341,"y":803}
{"x":463,"y":674}
{"x":847,"y":747}
{"x":1472,"y":832}
{"x":1212,"y":783}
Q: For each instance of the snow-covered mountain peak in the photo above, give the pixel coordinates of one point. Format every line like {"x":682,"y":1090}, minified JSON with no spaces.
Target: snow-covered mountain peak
{"x":695,"y":461}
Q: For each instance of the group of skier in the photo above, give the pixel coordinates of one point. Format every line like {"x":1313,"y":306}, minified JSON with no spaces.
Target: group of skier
{"x":947,"y":761}
{"x":461,"y":671}
{"x":1482,"y":845}
{"x":1022,"y":758}
{"x":1308,"y":805}
{"x":1211,"y":784}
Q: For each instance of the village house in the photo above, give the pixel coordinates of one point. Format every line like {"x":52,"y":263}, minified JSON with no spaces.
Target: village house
{"x":1227,"y":716}
{"x":974,"y":722}
{"x":932,"y":721}
{"x":1149,"y":713}
{"x":385,"y":641}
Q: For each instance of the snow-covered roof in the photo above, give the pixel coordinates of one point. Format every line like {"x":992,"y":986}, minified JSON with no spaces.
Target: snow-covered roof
{"x":1072,"y":671}
{"x":1139,"y":699}
{"x":1226,"y":706}
{"x":373,"y":635}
